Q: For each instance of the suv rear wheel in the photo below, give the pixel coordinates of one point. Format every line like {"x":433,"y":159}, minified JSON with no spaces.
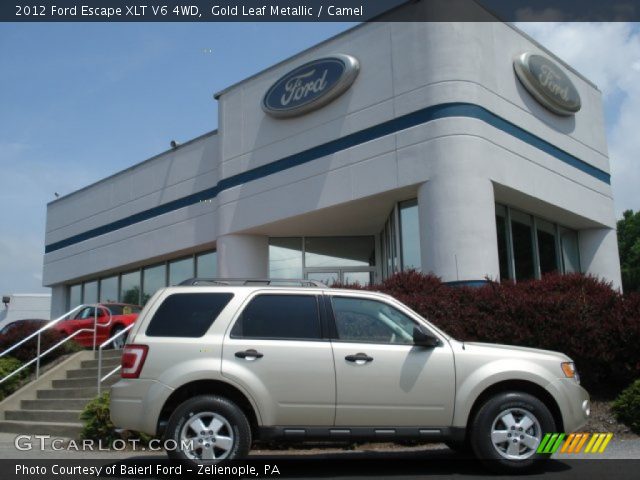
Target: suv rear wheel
{"x":508,"y":428}
{"x":208,"y":429}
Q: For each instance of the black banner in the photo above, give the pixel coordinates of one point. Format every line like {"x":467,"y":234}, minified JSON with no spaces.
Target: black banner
{"x":361,"y":465}
{"x":317,"y":10}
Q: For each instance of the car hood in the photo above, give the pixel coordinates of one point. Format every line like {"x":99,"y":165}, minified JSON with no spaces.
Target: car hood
{"x":515,"y":351}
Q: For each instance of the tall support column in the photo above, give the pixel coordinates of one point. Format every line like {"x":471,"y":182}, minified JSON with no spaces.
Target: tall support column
{"x":458,"y":240}
{"x":599,"y":254}
{"x":58,"y":300}
{"x":243,"y":256}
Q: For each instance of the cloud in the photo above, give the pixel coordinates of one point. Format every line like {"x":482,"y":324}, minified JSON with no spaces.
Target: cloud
{"x":609,"y":55}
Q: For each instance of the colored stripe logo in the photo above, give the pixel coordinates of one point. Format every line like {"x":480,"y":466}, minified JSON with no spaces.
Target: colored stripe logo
{"x":574,"y":443}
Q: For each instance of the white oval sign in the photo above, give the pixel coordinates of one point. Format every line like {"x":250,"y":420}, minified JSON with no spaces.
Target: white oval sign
{"x":548,"y":83}
{"x":310,"y":86}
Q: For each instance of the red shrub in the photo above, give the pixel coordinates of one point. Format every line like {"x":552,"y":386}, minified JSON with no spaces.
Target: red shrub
{"x":28,"y":351}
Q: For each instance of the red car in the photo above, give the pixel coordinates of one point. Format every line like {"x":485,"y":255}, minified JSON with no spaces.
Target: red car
{"x":112,"y":318}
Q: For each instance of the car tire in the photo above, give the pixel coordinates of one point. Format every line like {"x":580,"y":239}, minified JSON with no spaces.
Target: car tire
{"x":118,"y":343}
{"x":217,"y":429}
{"x":506,"y":431}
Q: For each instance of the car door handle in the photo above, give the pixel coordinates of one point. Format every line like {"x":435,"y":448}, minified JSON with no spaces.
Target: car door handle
{"x":359,"y":358}
{"x":250,"y":354}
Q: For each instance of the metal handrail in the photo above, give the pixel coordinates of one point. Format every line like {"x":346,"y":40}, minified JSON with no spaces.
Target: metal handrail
{"x":102,"y":345}
{"x":50,"y":324}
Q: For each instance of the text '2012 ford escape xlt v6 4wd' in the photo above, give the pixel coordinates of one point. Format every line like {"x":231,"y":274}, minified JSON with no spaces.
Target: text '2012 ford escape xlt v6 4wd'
{"x":214,"y":365}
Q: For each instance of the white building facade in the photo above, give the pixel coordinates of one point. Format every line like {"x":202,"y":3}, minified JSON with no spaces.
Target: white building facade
{"x":391,"y":146}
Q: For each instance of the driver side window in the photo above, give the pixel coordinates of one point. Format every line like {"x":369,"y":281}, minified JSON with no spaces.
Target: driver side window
{"x":371,"y":321}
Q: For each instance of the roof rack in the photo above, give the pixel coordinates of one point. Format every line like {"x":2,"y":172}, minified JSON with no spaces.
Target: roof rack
{"x":271,"y":282}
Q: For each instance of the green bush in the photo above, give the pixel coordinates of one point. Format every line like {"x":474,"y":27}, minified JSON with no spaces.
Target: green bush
{"x":627,"y":407}
{"x":97,"y":424}
{"x":8,"y":365}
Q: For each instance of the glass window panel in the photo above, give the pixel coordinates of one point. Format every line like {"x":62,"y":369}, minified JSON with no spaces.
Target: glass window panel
{"x":522,"y":245}
{"x":363,"y":320}
{"x":503,"y":249}
{"x":75,"y":296}
{"x":546,"y":246}
{"x":153,"y":280}
{"x":339,"y":251}
{"x":570,"y":252}
{"x":130,"y":288}
{"x":410,"y":235}
{"x":279,"y":316}
{"x":207,"y":265}
{"x":361,"y":278}
{"x":285,"y":257}
{"x":187,"y":314}
{"x":180,"y":270}
{"x":90,"y":294}
{"x":328,"y":278}
{"x":109,"y":289}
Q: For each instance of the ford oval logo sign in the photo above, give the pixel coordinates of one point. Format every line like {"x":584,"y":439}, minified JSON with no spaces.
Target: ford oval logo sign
{"x":547,"y":83}
{"x":310,"y":86}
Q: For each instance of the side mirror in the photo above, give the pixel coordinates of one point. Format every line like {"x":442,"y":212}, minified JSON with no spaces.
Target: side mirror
{"x":423,"y":338}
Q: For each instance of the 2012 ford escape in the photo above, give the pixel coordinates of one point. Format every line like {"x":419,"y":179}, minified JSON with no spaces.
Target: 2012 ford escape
{"x":215,"y":365}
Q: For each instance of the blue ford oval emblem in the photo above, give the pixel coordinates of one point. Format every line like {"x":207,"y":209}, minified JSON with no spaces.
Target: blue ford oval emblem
{"x":310,"y":86}
{"x":548,"y":84}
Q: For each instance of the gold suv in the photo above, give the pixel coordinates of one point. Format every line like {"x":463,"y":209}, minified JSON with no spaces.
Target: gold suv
{"x":215,"y":365}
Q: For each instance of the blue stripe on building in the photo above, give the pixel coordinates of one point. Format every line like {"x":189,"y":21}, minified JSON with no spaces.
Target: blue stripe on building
{"x":395,"y":125}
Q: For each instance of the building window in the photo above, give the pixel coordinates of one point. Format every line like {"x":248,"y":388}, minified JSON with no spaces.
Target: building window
{"x":503,"y":241}
{"x":326,"y":259}
{"x":410,"y":235}
{"x":153,"y":279}
{"x":207,"y":265}
{"x":130,"y":288}
{"x":75,"y":296}
{"x":90,"y":292}
{"x":546,"y":236}
{"x":109,"y":289}
{"x":400,"y":239}
{"x":180,"y":270}
{"x":326,"y":252}
{"x":529,"y":247}
{"x":285,"y":257}
{"x":570,"y":252}
{"x":521,"y":233}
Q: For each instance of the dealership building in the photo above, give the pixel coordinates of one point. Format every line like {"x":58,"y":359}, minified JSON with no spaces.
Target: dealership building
{"x":462,"y":149}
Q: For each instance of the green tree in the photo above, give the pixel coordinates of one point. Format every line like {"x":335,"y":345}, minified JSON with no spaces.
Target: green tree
{"x":629,"y":246}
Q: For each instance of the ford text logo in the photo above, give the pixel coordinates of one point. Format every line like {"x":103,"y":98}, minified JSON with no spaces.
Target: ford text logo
{"x":310,"y":86}
{"x":547,"y":83}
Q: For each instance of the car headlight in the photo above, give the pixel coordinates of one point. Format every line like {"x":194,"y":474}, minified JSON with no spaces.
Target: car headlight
{"x":569,"y":370}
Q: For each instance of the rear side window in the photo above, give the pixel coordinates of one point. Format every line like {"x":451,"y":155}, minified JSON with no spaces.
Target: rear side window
{"x":187,"y":314}
{"x":279,"y":316}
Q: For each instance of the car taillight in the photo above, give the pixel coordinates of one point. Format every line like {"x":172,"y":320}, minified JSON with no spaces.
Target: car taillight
{"x":133,"y":357}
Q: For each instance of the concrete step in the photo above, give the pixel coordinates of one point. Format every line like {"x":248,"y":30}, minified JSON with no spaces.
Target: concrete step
{"x":83,"y":382}
{"x":106,"y":362}
{"x":87,"y":372}
{"x":61,"y":393}
{"x":58,"y":416}
{"x":55,"y":404}
{"x":65,"y":429}
{"x":108,"y":354}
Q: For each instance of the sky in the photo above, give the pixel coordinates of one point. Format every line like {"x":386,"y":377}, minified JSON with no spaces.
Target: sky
{"x":79,"y":102}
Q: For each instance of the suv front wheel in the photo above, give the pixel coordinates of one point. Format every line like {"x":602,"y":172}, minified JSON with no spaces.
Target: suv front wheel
{"x":508,"y":428}
{"x":208,"y":429}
